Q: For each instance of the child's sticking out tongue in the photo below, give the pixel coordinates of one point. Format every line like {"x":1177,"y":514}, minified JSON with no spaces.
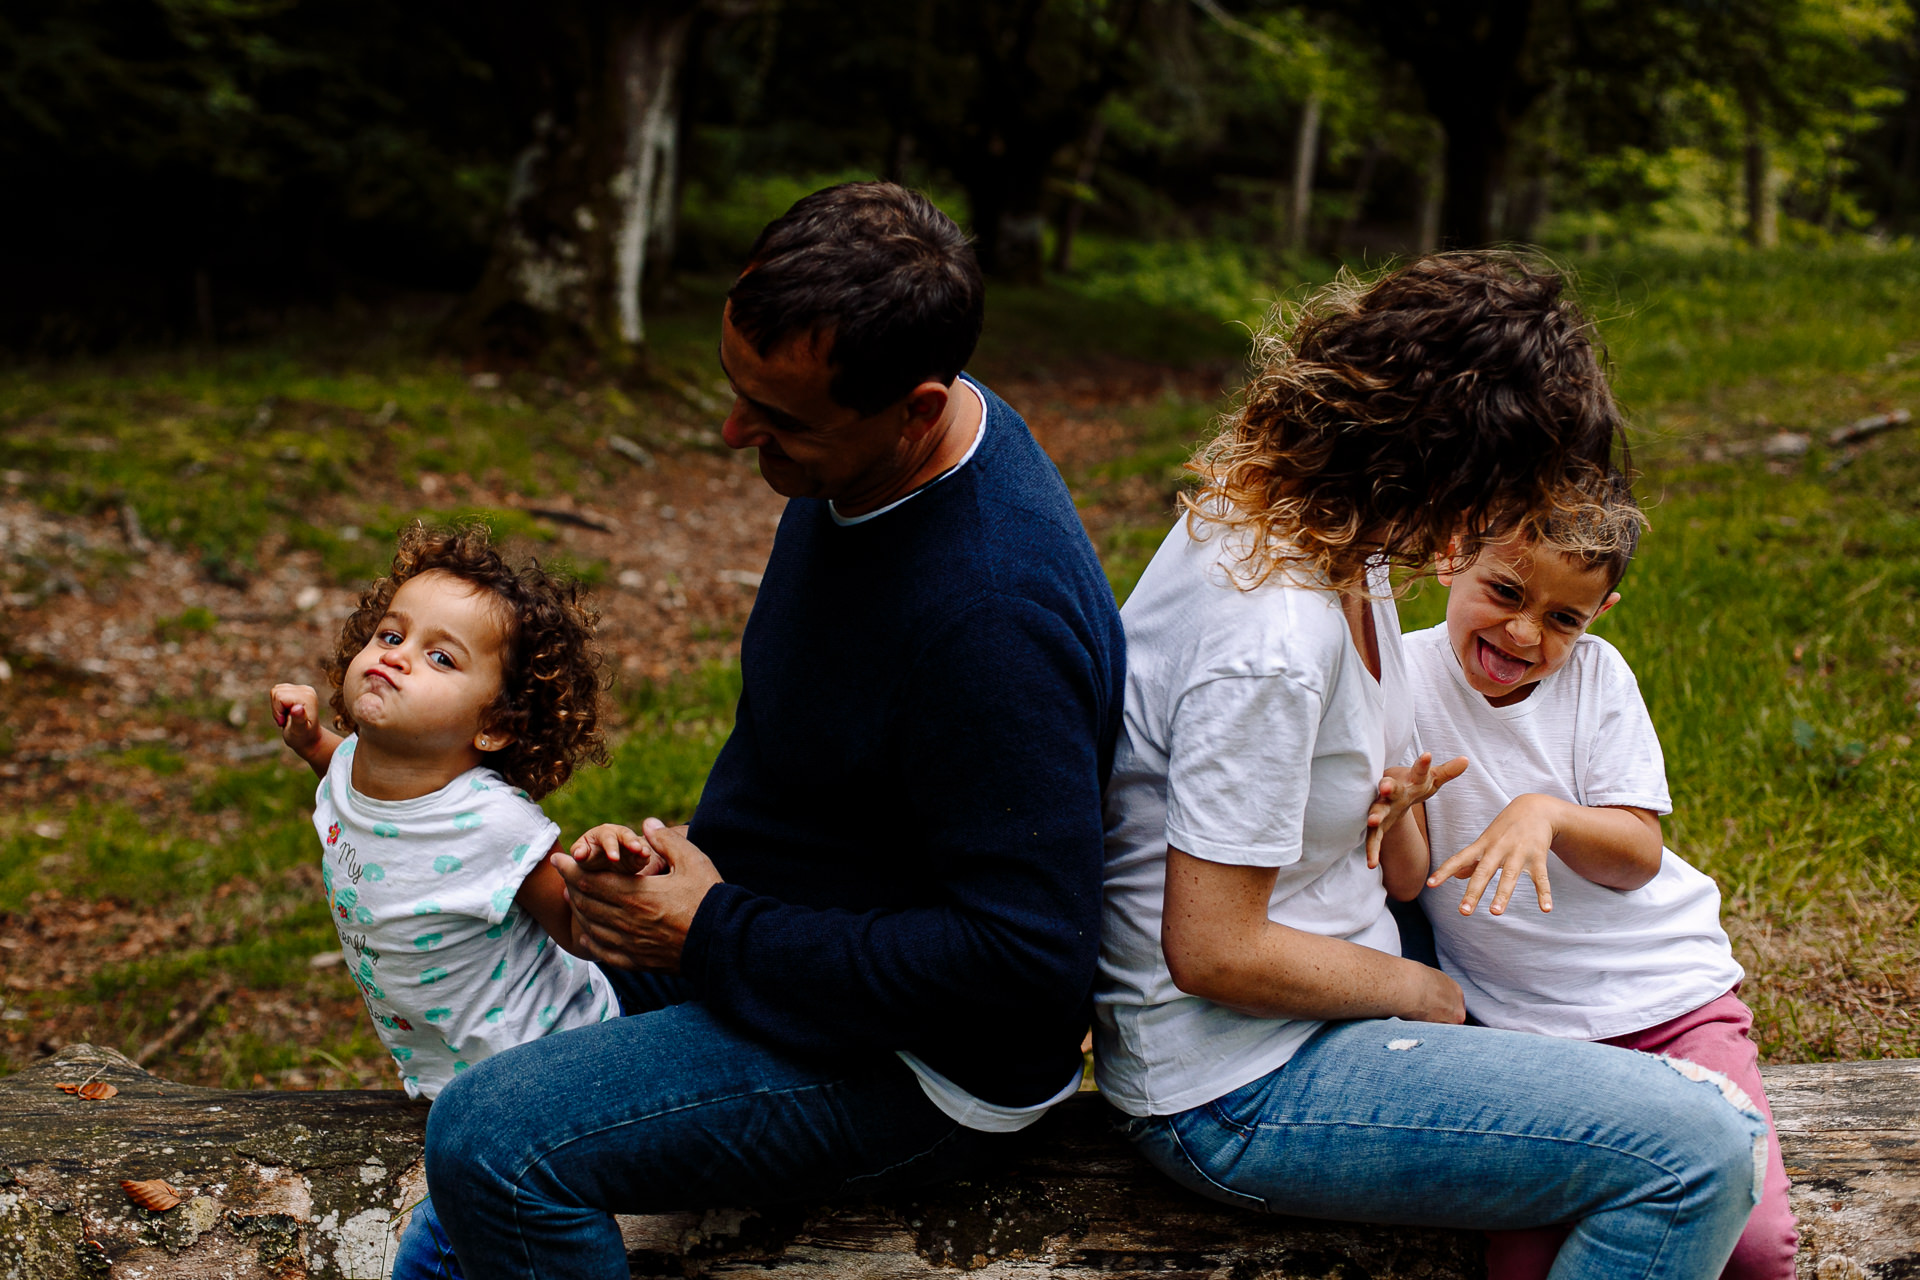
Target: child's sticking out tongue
{"x":1500,"y":667}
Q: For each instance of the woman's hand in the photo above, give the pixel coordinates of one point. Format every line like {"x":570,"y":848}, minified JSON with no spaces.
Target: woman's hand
{"x":1400,"y":790}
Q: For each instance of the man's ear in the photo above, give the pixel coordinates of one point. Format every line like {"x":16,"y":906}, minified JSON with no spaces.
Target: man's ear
{"x":925,"y":406}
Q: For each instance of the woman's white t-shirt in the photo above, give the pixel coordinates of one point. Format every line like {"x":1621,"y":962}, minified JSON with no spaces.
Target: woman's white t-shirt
{"x":1604,"y":961}
{"x":1254,"y":735}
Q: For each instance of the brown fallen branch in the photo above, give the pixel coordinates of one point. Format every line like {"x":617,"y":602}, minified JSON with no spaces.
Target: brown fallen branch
{"x":1867,"y":428}
{"x":170,"y":1039}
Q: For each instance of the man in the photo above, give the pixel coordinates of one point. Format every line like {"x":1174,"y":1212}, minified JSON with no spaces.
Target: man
{"x":870,"y":961}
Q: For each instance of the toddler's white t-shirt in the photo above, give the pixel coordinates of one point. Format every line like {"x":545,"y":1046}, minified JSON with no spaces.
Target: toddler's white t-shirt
{"x":1605,"y":961}
{"x":1253,"y":735}
{"x":422,"y":893}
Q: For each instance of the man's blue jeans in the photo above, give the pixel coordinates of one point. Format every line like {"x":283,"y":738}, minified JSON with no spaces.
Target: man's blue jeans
{"x":1404,"y":1122}
{"x":530,"y":1152}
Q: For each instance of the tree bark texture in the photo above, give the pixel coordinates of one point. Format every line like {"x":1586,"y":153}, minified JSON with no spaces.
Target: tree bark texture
{"x":289,"y":1185}
{"x":590,"y":189}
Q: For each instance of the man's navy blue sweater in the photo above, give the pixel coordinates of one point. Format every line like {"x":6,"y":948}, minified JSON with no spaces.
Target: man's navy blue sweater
{"x":908,"y":810}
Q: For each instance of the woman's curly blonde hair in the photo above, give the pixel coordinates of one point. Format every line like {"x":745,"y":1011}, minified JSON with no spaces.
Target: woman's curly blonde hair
{"x":550,"y":671}
{"x":1463,"y":395}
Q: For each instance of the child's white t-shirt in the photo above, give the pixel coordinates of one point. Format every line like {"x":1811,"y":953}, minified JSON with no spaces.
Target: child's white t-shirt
{"x":422,"y":892}
{"x":1603,"y":962}
{"x":1252,"y":736}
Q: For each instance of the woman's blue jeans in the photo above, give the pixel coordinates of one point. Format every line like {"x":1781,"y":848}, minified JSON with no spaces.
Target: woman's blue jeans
{"x":1403,"y":1122}
{"x":531,"y":1152}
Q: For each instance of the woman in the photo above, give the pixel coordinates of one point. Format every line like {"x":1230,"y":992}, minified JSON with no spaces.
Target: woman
{"x":1256,"y":1023}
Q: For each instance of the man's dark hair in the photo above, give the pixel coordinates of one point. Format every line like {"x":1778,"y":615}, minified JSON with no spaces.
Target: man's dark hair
{"x":881,"y":271}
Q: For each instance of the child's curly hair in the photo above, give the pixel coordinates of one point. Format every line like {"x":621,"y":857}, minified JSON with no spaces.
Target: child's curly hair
{"x":550,"y":679}
{"x":1462,"y":395}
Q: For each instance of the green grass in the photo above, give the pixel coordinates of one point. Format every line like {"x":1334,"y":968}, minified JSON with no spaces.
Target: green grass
{"x":1771,"y":617}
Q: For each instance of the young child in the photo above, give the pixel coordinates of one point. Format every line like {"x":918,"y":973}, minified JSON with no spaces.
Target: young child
{"x":1595,"y":931}
{"x":469,"y":688}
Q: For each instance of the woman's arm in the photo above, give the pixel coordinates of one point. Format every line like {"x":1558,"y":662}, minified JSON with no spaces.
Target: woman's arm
{"x":1221,"y":946}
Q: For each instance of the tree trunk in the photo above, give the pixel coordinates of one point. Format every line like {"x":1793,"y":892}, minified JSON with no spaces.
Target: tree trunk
{"x":590,"y":191}
{"x":1080,"y":196}
{"x":1306,"y":142}
{"x":1005,"y":191}
{"x":1357,"y":198}
{"x":286,"y":1186}
{"x":1763,"y":214}
{"x":1476,"y":154}
{"x":1432,"y":194}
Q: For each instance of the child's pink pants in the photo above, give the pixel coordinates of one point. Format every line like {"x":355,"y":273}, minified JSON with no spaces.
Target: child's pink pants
{"x":1716,"y":1035}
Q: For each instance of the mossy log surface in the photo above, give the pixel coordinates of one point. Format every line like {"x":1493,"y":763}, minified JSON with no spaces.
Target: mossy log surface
{"x":288,"y":1185}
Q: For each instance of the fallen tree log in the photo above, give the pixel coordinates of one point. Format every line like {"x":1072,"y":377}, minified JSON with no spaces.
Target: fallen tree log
{"x":287,"y":1185}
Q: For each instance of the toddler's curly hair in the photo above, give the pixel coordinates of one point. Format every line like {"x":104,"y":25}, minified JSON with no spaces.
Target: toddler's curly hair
{"x":550,"y":671}
{"x":1462,"y":395}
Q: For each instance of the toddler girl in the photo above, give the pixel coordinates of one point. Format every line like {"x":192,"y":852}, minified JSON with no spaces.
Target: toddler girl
{"x":468,"y":688}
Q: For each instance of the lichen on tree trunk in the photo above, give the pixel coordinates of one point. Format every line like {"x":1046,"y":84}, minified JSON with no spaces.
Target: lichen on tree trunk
{"x":586,"y":196}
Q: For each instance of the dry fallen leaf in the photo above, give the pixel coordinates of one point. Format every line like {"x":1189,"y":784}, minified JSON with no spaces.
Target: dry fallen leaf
{"x":152,"y":1194}
{"x":95,"y":1090}
{"x":68,"y":1088}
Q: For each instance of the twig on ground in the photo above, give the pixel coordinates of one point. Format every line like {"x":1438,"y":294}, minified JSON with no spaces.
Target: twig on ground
{"x":178,"y":1031}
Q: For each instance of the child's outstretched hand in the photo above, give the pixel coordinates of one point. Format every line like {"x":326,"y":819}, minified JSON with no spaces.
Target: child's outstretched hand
{"x":296,"y":709}
{"x":1400,"y":790}
{"x":1516,"y":841}
{"x":612,"y":847}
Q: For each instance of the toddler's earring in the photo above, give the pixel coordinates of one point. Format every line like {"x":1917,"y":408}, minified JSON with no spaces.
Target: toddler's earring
{"x":485,"y":743}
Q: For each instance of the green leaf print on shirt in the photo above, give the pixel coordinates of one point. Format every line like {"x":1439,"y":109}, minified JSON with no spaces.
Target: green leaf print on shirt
{"x":373,"y":871}
{"x":432,"y":975}
{"x":426,"y":908}
{"x":427,"y":941}
{"x":386,"y":829}
{"x":548,"y":1016}
{"x":446,"y":863}
{"x":520,"y":851}
{"x":401,"y":1053}
{"x":362,"y":915}
{"x":499,"y":970}
{"x":478,"y":785}
{"x":503,"y":897}
{"x":439,"y":1015}
{"x":458,"y":1067}
{"x":496,"y":1013}
{"x":506,"y":922}
{"x":465,"y":821}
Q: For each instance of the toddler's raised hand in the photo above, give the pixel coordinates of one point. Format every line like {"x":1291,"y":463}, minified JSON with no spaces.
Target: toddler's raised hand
{"x":296,"y":709}
{"x":1516,"y":841}
{"x":601,"y":849}
{"x":1400,"y":790}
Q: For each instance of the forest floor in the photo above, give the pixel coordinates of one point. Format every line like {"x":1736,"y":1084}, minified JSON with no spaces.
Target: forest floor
{"x":180,"y":531}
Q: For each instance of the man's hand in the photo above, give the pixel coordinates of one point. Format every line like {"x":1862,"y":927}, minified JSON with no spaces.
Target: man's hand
{"x":1400,"y":790}
{"x":1518,"y":840}
{"x":627,"y":921}
{"x":601,"y":848}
